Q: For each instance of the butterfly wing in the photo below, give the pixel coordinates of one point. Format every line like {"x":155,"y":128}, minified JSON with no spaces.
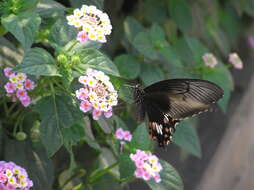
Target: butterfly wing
{"x":169,"y":101}
{"x":181,"y":98}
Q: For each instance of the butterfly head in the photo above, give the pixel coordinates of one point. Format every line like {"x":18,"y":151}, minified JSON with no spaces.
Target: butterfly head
{"x":138,"y":93}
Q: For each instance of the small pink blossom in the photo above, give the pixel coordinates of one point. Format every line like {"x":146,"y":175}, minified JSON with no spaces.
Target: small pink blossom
{"x":157,"y":178}
{"x":127,"y":136}
{"x":8,"y":71}
{"x":10,"y":187}
{"x":119,"y":133}
{"x":26,"y":101}
{"x":108,"y":114}
{"x":82,"y":37}
{"x":3,"y":178}
{"x":10,"y":87}
{"x":251,"y":41}
{"x":83,"y":80}
{"x":139,"y":173}
{"x":85,"y":106}
{"x":235,"y":60}
{"x":82,"y":93}
{"x":210,"y":60}
{"x":21,"y":94}
{"x":21,"y":77}
{"x":96,"y":114}
{"x":146,"y":176}
{"x":29,"y":85}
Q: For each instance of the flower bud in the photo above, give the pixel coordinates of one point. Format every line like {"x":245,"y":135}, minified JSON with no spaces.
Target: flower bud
{"x":75,"y":60}
{"x":21,"y":136}
{"x":62,"y":59}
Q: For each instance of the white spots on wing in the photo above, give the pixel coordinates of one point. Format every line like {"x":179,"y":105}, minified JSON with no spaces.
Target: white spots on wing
{"x":159,"y":129}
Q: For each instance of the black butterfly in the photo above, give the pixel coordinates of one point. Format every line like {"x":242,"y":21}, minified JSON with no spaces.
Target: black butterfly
{"x":169,"y":101}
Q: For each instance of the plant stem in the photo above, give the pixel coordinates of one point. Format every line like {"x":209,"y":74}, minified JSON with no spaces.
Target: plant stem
{"x":80,"y":173}
{"x":102,"y":172}
{"x":126,"y":179}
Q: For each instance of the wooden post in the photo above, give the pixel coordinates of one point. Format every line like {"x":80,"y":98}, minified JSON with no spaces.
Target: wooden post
{"x":232,"y":167}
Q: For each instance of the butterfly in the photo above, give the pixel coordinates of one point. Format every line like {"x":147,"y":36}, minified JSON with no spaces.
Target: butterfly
{"x":167,"y":102}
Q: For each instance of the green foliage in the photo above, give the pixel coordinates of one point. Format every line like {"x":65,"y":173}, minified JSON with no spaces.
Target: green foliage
{"x":152,"y":41}
{"x":170,"y":179}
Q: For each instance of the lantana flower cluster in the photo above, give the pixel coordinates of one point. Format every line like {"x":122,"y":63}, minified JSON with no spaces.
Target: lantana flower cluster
{"x":97,"y":94}
{"x":123,"y":135}
{"x":210,"y":60}
{"x":13,"y":177}
{"x":18,"y":86}
{"x":92,"y":23}
{"x":147,"y":165}
{"x":235,"y":60}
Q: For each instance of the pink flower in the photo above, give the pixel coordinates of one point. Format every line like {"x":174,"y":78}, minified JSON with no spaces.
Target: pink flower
{"x":10,"y":87}
{"x":10,"y":187}
{"x":157,"y":178}
{"x":7,"y":71}
{"x":29,"y":85}
{"x":96,"y":114}
{"x":139,"y":173}
{"x":85,"y":106}
{"x":119,"y":133}
{"x":82,"y":93}
{"x":82,"y":37}
{"x":26,"y":101}
{"x":146,"y":176}
{"x":235,"y":60}
{"x":21,"y":77}
{"x":210,"y":60}
{"x":251,"y":41}
{"x":108,"y":114}
{"x":127,"y":136}
{"x":21,"y":94}
{"x":3,"y":178}
{"x":2,"y":187}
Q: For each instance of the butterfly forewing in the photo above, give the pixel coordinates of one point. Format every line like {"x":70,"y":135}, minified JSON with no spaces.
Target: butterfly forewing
{"x":166,"y":102}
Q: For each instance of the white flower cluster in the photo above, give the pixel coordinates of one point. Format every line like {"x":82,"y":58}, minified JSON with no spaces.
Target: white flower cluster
{"x":92,"y":23}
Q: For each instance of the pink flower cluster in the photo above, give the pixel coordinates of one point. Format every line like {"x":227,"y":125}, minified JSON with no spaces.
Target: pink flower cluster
{"x":235,"y":60}
{"x":18,"y":86}
{"x":123,"y":135}
{"x":147,"y":165}
{"x":210,"y":60}
{"x":13,"y":177}
{"x":97,"y":94}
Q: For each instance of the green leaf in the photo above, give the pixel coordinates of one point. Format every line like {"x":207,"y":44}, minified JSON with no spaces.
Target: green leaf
{"x":170,"y":179}
{"x":106,"y":125}
{"x":148,"y":42}
{"x":222,"y":77}
{"x":119,"y":122}
{"x":79,"y":3}
{"x":107,"y":181}
{"x":126,"y":166}
{"x":141,"y":139}
{"x":181,"y":14}
{"x":72,"y":46}
{"x":62,"y":33}
{"x":128,"y":66}
{"x":56,"y":112}
{"x":151,"y":74}
{"x":92,"y":58}
{"x":155,"y":11}
{"x":131,"y":28}
{"x":186,"y":137}
{"x":49,"y":8}
{"x":23,"y":26}
{"x":38,"y":61}
{"x":34,"y":159}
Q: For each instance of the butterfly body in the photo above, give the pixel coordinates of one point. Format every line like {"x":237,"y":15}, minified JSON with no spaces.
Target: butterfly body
{"x":167,"y":102}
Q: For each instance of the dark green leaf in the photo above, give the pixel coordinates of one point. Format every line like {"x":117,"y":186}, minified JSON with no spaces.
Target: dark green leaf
{"x":79,"y":3}
{"x":35,"y":161}
{"x":140,"y":139}
{"x":49,"y":8}
{"x":119,"y":122}
{"x":131,"y":28}
{"x":151,"y":74}
{"x":170,"y":179}
{"x":56,"y":112}
{"x":222,"y":77}
{"x":181,"y":14}
{"x":23,"y":26}
{"x":62,"y":33}
{"x":155,"y":11}
{"x":92,"y":58}
{"x":72,"y":46}
{"x":186,"y":137}
{"x":126,"y":166}
{"x":106,"y":125}
{"x":107,"y":181}
{"x":89,"y":137}
{"x":38,"y":61}
{"x":128,"y":66}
